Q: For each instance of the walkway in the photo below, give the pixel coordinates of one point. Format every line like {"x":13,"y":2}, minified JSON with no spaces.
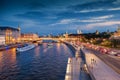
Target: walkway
{"x":112,"y":61}
{"x":73,"y":69}
{"x":99,"y":69}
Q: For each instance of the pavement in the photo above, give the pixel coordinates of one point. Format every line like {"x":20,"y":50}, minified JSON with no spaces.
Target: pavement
{"x":99,"y":69}
{"x":73,"y":69}
{"x":112,"y":61}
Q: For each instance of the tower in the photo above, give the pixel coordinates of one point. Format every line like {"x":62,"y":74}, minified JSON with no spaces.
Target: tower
{"x":118,"y":30}
{"x":79,"y":31}
{"x":19,"y":27}
{"x":97,"y":32}
{"x":19,"y":33}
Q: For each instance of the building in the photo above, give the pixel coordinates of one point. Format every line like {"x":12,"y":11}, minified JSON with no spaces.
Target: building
{"x":115,"y":38}
{"x":97,"y":32}
{"x":12,"y":35}
{"x":116,"y":35}
{"x":29,"y":37}
{"x":79,"y":31}
{"x":2,"y":40}
{"x":66,"y":35}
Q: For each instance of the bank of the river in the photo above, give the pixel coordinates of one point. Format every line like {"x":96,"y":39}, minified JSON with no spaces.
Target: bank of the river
{"x":84,"y":74}
{"x":9,"y":46}
{"x":71,"y":48}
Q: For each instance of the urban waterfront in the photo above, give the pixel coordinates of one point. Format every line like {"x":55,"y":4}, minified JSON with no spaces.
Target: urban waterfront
{"x":41,"y":63}
{"x":59,"y":40}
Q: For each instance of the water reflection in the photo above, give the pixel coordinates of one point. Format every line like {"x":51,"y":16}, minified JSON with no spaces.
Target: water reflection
{"x":37,"y":51}
{"x":35,"y":64}
{"x":8,"y":56}
{"x":58,"y":47}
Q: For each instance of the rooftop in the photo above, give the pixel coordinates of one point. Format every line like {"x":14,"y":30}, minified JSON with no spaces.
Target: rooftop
{"x":8,"y":27}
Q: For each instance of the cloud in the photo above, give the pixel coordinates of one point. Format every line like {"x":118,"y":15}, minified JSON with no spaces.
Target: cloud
{"x":93,"y":5}
{"x":59,"y":13}
{"x":103,"y":17}
{"x":31,"y":14}
{"x":96,"y":6}
{"x":117,"y":2}
{"x":67,"y":21}
{"x":89,"y":20}
{"x":91,"y":10}
{"x":70,"y":21}
{"x":64,"y":21}
{"x":102,"y":24}
{"x":97,"y":10}
{"x":113,"y":9}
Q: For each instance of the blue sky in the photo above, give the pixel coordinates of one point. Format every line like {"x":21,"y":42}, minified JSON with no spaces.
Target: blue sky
{"x":58,"y":16}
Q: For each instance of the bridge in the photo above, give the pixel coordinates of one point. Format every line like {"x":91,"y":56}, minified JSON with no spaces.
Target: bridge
{"x":57,"y":39}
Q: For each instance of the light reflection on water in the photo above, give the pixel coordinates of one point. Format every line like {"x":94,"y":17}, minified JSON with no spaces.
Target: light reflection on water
{"x":35,"y":64}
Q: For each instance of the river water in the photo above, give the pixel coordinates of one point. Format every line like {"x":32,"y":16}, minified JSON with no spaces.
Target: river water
{"x":41,"y":63}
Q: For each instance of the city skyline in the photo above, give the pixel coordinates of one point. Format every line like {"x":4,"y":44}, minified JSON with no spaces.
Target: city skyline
{"x":59,"y":16}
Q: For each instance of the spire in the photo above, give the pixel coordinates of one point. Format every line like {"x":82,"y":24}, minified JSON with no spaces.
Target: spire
{"x":79,"y":31}
{"x":118,"y":30}
{"x":19,"y":27}
{"x":97,"y":32}
{"x":66,"y":32}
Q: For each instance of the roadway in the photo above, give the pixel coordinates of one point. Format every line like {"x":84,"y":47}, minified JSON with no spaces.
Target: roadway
{"x":98,"y":68}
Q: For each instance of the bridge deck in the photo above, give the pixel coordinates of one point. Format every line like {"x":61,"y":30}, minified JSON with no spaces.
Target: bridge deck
{"x":99,"y":69}
{"x":73,"y":69}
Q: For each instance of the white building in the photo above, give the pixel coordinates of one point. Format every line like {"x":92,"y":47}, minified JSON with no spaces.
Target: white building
{"x":79,"y":31}
{"x":12,"y":35}
{"x":2,"y":39}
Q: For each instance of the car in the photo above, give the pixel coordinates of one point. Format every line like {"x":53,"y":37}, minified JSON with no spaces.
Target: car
{"x":112,"y":52}
{"x":103,"y":50}
{"x":118,"y":54}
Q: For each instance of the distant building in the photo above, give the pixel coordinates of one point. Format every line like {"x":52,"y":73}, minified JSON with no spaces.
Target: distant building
{"x":79,"y":31}
{"x":117,"y":34}
{"x":97,"y":32}
{"x":73,"y":37}
{"x":118,"y":30}
{"x":12,"y":35}
{"x":66,"y":35}
{"x":29,"y":37}
{"x":115,"y":38}
{"x":2,"y":39}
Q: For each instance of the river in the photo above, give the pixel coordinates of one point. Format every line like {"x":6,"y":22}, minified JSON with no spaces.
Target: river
{"x":41,"y":63}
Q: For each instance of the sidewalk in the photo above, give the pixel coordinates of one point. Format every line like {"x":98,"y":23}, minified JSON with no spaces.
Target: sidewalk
{"x":73,"y":69}
{"x":99,"y":69}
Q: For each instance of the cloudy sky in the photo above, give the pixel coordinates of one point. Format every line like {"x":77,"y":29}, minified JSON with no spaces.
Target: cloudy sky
{"x":59,"y":16}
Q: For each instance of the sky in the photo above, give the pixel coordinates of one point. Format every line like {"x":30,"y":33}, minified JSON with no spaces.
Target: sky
{"x":60,"y":16}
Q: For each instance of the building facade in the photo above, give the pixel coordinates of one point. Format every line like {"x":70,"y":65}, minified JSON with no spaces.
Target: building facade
{"x":29,"y":37}
{"x":12,"y":35}
{"x":2,"y":40}
{"x":115,"y":38}
{"x":116,"y":35}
